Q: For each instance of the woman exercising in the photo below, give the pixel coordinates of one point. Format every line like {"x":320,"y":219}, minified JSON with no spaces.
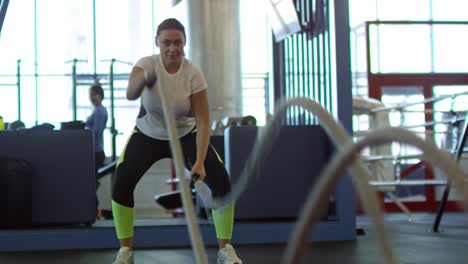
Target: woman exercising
{"x":186,"y":89}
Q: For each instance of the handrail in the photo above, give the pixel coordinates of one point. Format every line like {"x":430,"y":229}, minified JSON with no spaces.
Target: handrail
{"x":432,"y":123}
{"x":408,"y":183}
{"x":313,"y":207}
{"x":116,"y":60}
{"x":425,"y":101}
{"x":265,"y":143}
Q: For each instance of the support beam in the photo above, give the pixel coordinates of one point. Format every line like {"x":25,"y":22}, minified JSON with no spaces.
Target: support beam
{"x":214,"y":39}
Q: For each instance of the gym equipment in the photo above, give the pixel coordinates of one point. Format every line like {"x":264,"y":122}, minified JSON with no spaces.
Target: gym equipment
{"x":204,"y":192}
{"x":264,"y":145}
{"x":289,"y":170}
{"x":64,"y":182}
{"x":347,"y":155}
{"x":72,"y":125}
{"x":458,"y":153}
{"x":16,"y":125}
{"x":248,"y":121}
{"x":106,"y":169}
{"x":172,"y":201}
{"x":255,"y":162}
{"x":103,"y":79}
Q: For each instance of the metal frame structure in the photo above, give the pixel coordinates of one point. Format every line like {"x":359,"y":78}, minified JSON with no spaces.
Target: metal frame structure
{"x":112,"y":76}
{"x":376,"y":81}
{"x":303,"y":62}
{"x":443,"y":201}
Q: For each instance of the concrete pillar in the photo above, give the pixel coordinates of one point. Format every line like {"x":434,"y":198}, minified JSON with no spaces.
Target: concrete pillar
{"x":214,"y":41}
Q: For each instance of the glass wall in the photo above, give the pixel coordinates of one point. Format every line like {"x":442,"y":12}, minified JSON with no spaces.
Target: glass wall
{"x":449,"y":110}
{"x":410,"y":47}
{"x":255,"y":53}
{"x":415,"y":46}
{"x":47,"y":35}
{"x":402,"y":43}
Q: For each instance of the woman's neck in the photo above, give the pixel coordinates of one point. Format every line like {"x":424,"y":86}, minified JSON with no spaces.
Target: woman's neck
{"x":172,"y":68}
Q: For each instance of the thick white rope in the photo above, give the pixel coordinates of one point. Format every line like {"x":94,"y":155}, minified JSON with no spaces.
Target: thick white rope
{"x":264,"y":145}
{"x":330,"y":177}
{"x":179,"y":165}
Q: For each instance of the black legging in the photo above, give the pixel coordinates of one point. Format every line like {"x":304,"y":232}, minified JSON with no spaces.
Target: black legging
{"x":142,"y":152}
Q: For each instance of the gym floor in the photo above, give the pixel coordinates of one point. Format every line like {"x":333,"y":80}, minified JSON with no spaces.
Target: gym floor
{"x":412,"y":240}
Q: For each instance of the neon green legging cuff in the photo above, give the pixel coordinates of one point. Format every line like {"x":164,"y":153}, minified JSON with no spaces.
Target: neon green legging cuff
{"x":124,"y":217}
{"x":223,"y":219}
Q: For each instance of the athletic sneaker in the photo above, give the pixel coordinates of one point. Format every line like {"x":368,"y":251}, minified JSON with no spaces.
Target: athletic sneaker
{"x":125,"y":256}
{"x":227,"y":255}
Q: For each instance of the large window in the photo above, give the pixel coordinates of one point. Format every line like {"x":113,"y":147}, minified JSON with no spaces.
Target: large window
{"x":255,"y":39}
{"x":17,"y":42}
{"x":449,"y":110}
{"x":400,"y":48}
{"x":452,"y":10}
{"x":17,"y":38}
{"x":450,"y":48}
{"x":47,"y":35}
{"x":409,"y":47}
{"x":64,"y":32}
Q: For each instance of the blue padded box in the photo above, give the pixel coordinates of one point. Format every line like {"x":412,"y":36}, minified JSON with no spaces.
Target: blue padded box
{"x":63,"y":182}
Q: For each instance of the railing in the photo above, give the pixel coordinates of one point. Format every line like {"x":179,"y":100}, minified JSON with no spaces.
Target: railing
{"x":255,"y":94}
{"x":398,"y":178}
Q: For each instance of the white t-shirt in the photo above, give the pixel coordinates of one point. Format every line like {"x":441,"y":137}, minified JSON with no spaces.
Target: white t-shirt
{"x":178,"y":88}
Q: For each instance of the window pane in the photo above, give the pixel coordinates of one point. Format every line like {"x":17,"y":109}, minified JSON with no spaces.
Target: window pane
{"x":64,"y":32}
{"x":9,"y":103}
{"x":445,"y":110}
{"x":400,"y":48}
{"x":255,"y":52}
{"x":450,"y":10}
{"x":17,"y":38}
{"x":450,"y":46}
{"x":254,"y":39}
{"x":361,"y":11}
{"x":55,"y":100}
{"x":125,"y":33}
{"x":403,"y":9}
